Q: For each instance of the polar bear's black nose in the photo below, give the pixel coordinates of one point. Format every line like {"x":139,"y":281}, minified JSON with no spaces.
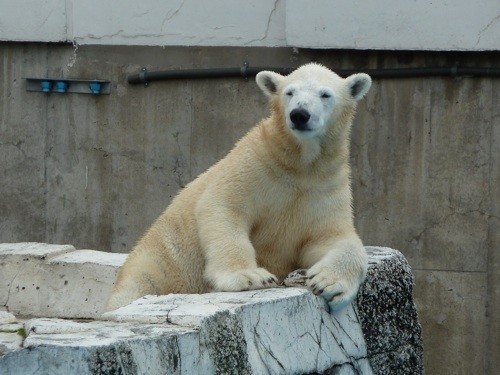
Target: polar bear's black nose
{"x":299,"y":118}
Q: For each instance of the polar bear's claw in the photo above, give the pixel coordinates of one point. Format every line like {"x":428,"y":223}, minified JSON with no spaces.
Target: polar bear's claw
{"x":247,"y":279}
{"x":335,"y":288}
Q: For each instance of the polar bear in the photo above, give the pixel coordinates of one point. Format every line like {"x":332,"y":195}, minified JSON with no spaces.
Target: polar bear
{"x":279,"y":201}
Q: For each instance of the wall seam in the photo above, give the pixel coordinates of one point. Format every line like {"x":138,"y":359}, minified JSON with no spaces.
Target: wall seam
{"x":46,"y":151}
{"x":489,"y":327}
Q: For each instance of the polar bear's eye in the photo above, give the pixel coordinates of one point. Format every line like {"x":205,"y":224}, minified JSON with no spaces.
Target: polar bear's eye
{"x":289,"y":93}
{"x":325,"y":95}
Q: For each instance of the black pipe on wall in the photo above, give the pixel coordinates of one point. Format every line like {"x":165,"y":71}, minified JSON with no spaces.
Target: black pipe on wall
{"x":452,"y":71}
{"x":144,"y":76}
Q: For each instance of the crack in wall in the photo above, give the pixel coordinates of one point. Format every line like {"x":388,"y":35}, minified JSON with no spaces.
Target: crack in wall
{"x":484,"y":29}
{"x":45,"y":20}
{"x":6,"y":303}
{"x":268,"y":26}
{"x":442,"y":220}
{"x":172,"y":14}
{"x":121,"y":33}
{"x":178,"y":353}
{"x":262,"y":360}
{"x":318,"y":342}
{"x":179,"y":166}
{"x":17,"y":145}
{"x":319,"y":335}
{"x":340,"y":327}
{"x":168,"y":319}
{"x":258,"y":340}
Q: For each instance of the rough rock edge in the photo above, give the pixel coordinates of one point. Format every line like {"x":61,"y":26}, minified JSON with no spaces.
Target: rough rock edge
{"x":393,"y":339}
{"x":388,"y":315}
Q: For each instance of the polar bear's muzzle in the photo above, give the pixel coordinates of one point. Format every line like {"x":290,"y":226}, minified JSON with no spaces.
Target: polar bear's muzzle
{"x":300,"y":119}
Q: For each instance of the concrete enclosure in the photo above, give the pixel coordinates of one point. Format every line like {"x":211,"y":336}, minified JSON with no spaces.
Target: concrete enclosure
{"x":96,"y":171}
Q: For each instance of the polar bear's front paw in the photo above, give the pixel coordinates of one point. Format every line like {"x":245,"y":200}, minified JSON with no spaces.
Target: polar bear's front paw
{"x":337,"y":288}
{"x":247,"y":279}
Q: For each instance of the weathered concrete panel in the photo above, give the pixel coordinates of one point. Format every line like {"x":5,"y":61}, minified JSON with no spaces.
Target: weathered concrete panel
{"x":55,"y":280}
{"x":216,"y":129}
{"x":181,"y":23}
{"x":452,"y":308}
{"x":392,"y":24}
{"x":434,"y":136}
{"x":22,"y":145}
{"x":493,"y":261}
{"x":34,"y":20}
{"x":355,"y":24}
{"x":137,"y":136}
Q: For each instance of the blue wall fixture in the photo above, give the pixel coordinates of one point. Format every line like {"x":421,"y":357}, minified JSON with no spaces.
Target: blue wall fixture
{"x":95,"y":87}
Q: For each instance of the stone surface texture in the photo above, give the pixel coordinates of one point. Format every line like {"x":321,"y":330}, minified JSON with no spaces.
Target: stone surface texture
{"x":56,"y":280}
{"x":285,"y":330}
{"x":388,"y":314}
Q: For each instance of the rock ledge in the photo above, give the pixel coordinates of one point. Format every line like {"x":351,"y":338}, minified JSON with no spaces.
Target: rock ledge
{"x":272,"y":331}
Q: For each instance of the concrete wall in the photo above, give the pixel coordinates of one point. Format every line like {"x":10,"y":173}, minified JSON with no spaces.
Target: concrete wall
{"x":357,"y":24}
{"x":96,"y":171}
{"x":394,"y":24}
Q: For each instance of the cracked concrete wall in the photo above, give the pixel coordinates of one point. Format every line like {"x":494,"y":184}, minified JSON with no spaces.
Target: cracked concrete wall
{"x":392,"y":24}
{"x":355,"y":24}
{"x":96,"y":171}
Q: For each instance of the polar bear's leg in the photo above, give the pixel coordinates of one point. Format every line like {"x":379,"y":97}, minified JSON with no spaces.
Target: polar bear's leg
{"x":231,"y":263}
{"x":146,"y":274}
{"x":125,"y":292}
{"x":338,"y":269}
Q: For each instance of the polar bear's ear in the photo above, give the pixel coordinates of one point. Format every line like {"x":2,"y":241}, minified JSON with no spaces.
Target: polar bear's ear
{"x":268,"y":82}
{"x":358,"y":85}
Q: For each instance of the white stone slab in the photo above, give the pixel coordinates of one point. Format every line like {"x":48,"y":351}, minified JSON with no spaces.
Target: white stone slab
{"x":9,"y":342}
{"x":266,"y":331}
{"x":11,"y":333}
{"x":100,"y":258}
{"x":6,"y":317}
{"x":62,"y":332}
{"x":277,"y":326}
{"x":61,"y":347}
{"x":32,"y":250}
{"x":278,"y":337}
{"x":270,"y":331}
{"x":56,"y":280}
{"x":21,"y":269}
{"x":172,"y":310}
{"x":191,"y":309}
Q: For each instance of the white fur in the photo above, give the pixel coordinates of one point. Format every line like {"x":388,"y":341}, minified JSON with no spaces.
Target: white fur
{"x":280,"y":200}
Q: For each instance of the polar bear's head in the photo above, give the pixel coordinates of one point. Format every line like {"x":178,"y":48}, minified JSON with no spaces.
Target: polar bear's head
{"x":313,"y":97}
